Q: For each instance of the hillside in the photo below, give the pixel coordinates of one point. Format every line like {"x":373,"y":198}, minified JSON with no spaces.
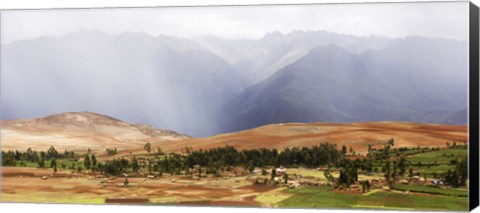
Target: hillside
{"x":79,"y":131}
{"x":332,"y":84}
{"x":355,"y":135}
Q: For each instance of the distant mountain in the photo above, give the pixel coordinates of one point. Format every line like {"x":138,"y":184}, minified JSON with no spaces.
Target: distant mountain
{"x":459,"y":118}
{"x":168,"y":82}
{"x":261,"y":58}
{"x":412,"y":79}
{"x":207,"y":85}
{"x":80,"y":131}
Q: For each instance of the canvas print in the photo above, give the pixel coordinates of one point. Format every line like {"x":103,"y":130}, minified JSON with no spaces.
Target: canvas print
{"x":333,"y":106}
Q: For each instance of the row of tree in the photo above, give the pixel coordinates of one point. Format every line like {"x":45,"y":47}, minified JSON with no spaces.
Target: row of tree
{"x":11,"y":158}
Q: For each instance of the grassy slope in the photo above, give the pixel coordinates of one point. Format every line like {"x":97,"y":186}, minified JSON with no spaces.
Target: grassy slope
{"x":324,"y":197}
{"x":460,"y":192}
{"x":442,"y":157}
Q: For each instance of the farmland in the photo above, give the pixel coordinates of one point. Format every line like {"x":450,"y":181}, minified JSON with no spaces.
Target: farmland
{"x":381,"y":165}
{"x":326,"y":197}
{"x":182,"y":190}
{"x":312,"y":189}
{"x":439,"y":161}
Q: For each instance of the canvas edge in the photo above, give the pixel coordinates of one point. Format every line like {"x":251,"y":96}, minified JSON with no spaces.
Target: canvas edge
{"x":474,"y":107}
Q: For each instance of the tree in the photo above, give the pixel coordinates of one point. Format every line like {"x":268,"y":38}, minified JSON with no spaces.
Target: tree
{"x":41,"y":163}
{"x":459,"y":176}
{"x":94,"y":160}
{"x":160,"y":151}
{"x":274,"y":173}
{"x":328,"y":176}
{"x":148,"y":147}
{"x":87,"y":163}
{"x":344,"y":150}
{"x":8,"y":160}
{"x":391,"y":142}
{"x":388,"y":174}
{"x":53,"y":164}
{"x":125,"y":183}
{"x":52,"y":152}
{"x":402,"y":165}
{"x":135,"y":165}
{"x":111,"y":151}
{"x":264,"y":172}
{"x":285,"y":178}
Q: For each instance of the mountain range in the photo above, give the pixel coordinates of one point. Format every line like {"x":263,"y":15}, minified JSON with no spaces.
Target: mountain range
{"x":207,"y":85}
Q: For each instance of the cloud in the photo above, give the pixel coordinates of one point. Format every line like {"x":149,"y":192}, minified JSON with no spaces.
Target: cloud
{"x":430,"y":19}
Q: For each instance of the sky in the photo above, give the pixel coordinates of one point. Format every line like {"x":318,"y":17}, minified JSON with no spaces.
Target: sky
{"x":429,"y":19}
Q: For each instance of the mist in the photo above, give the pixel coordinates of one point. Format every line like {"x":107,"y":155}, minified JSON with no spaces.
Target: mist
{"x":133,"y":77}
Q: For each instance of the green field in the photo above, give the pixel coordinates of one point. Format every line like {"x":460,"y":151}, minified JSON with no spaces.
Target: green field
{"x":67,"y":162}
{"x":441,"y":157}
{"x":459,"y":192}
{"x":326,"y":197}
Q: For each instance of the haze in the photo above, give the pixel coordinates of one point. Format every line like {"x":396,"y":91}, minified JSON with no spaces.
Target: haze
{"x":429,"y":19}
{"x":209,"y":70}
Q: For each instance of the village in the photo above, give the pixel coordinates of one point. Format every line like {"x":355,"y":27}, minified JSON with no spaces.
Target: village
{"x":191,"y":178}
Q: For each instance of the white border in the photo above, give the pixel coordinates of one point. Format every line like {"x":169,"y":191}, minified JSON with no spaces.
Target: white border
{"x":65,"y":208}
{"x":42,"y":4}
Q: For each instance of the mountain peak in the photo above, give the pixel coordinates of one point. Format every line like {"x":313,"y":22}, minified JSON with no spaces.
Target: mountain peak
{"x":272,"y":35}
{"x":72,"y":119}
{"x":329,"y":51}
{"x":81,"y":119}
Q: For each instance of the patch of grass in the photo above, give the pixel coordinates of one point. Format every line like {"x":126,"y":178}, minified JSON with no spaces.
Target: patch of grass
{"x":436,"y":202}
{"x":67,"y":162}
{"x":324,"y":197}
{"x":310,"y":173}
{"x":433,"y":190}
{"x":439,"y":160}
{"x":271,"y":199}
{"x":82,"y":200}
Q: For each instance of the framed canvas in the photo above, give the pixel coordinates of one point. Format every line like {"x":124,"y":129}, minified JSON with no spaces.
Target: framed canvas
{"x":324,"y":106}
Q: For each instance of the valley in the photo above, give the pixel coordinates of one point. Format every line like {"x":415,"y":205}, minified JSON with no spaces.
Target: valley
{"x":64,"y":158}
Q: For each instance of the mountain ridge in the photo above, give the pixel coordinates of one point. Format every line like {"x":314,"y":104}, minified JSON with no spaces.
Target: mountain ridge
{"x":80,"y":131}
{"x":331,"y":84}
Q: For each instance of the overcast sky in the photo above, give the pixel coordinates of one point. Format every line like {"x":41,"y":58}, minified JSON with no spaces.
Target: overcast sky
{"x":430,"y":19}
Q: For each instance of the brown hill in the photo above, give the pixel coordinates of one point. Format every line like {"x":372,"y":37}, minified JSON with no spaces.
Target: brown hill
{"x":79,"y":131}
{"x":355,"y":135}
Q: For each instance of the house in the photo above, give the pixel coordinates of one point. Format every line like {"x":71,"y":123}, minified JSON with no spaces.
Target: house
{"x":293,"y":184}
{"x":416,"y":179}
{"x":404,"y":182}
{"x":323,"y":169}
{"x":422,"y":180}
{"x":257,"y":171}
{"x":281,"y":171}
